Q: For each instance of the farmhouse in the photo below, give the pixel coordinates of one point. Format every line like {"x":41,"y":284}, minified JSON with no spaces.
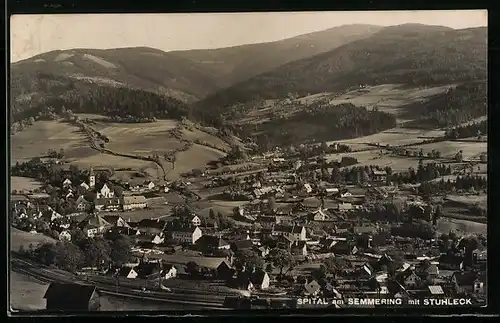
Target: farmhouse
{"x":82,"y":204}
{"x":94,"y":225}
{"x":134,"y":202}
{"x":150,"y":226}
{"x":168,"y":271}
{"x":188,"y":235}
{"x":85,"y":186}
{"x":105,"y":192}
{"x":107,"y":204}
{"x":295,"y":232}
{"x":127,"y":272}
{"x":116,"y":220}
{"x":212,"y":243}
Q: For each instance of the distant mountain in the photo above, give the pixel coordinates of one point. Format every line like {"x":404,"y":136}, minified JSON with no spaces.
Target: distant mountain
{"x":409,"y":54}
{"x":140,"y":68}
{"x":235,"y":64}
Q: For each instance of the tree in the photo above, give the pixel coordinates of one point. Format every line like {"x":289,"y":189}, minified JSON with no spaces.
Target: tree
{"x":249,"y":260}
{"x":319,"y":273}
{"x":271,"y":205}
{"x":282,"y":259}
{"x":97,"y":252}
{"x":120,"y":250}
{"x":46,"y":253}
{"x":68,"y":256}
{"x":336,"y":175}
{"x":192,"y":269}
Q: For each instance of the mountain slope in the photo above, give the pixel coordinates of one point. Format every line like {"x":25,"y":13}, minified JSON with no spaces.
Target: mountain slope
{"x":408,"y":54}
{"x":235,"y":64}
{"x":141,"y":68}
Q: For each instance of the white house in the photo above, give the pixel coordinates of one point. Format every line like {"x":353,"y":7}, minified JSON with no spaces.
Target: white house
{"x":66,"y":183}
{"x":345,"y":194}
{"x":133,"y":202}
{"x":65,"y":236}
{"x":150,"y":185}
{"x":157,"y":239}
{"x":85,"y":186}
{"x":307,"y":188}
{"x":187,"y":235}
{"x":196,"y":221}
{"x":128,"y":272}
{"x":168,"y":272}
{"x":105,"y":192}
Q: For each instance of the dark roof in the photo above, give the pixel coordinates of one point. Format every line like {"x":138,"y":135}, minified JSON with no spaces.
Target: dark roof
{"x":72,"y":295}
{"x":289,"y":228}
{"x":465,"y":278}
{"x":147,"y":268}
{"x":107,"y":201}
{"x":124,"y":271}
{"x":211,"y":241}
{"x":111,"y":218}
{"x":312,"y":287}
{"x":242,"y":244}
{"x":149,"y":223}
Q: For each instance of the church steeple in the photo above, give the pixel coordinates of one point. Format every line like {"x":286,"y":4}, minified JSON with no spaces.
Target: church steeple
{"x":91,"y":178}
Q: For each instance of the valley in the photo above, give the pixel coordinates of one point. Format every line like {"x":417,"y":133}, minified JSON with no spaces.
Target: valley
{"x":339,"y":157}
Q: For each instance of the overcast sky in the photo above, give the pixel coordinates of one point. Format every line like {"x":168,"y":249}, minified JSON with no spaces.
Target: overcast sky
{"x":35,"y":34}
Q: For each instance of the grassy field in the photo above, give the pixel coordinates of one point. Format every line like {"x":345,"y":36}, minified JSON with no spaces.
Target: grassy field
{"x":18,"y":238}
{"x":23,"y":183}
{"x":196,"y":134}
{"x":373,"y":157}
{"x":470,"y":200}
{"x":390,"y":98}
{"x":449,"y":149}
{"x":36,"y":140}
{"x":444,"y":225}
{"x":195,"y":157}
{"x":394,"y":137}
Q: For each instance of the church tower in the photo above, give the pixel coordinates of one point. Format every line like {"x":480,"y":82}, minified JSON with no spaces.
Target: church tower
{"x":91,"y":178}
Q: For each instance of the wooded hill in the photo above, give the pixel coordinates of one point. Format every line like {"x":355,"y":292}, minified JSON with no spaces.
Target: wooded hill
{"x":411,"y":54}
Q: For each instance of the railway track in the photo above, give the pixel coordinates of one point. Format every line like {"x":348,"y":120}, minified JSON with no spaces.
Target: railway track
{"x":47,"y":276}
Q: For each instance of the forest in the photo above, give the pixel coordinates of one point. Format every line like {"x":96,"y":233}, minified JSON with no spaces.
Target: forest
{"x":86,"y":97}
{"x":458,"y":105}
{"x":470,"y":130}
{"x":338,"y":122}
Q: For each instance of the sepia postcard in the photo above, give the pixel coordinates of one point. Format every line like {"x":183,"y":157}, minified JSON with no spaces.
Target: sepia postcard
{"x":228,"y":161}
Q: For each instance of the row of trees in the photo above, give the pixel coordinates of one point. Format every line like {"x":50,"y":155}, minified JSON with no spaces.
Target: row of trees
{"x":461,"y":183}
{"x":470,"y":130}
{"x":81,"y":252}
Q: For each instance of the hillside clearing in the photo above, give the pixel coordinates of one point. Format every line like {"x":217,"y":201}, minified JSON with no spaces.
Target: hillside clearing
{"x":36,"y":140}
{"x":195,"y":157}
{"x":445,"y":225}
{"x":18,"y":183}
{"x":99,"y":61}
{"x":373,"y":157}
{"x":18,"y":238}
{"x":390,"y":98}
{"x":394,"y":137}
{"x":449,"y":149}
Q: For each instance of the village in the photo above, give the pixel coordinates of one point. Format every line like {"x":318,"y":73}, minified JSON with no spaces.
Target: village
{"x":294,"y":224}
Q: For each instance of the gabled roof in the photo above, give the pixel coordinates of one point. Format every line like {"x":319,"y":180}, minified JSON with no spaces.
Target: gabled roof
{"x":465,"y":278}
{"x":70,"y":294}
{"x":94,"y":221}
{"x":288,"y":228}
{"x":149,"y":223}
{"x":211,"y":241}
{"x":312,"y":287}
{"x":436,"y":290}
{"x":243,"y":244}
{"x":134,"y":199}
